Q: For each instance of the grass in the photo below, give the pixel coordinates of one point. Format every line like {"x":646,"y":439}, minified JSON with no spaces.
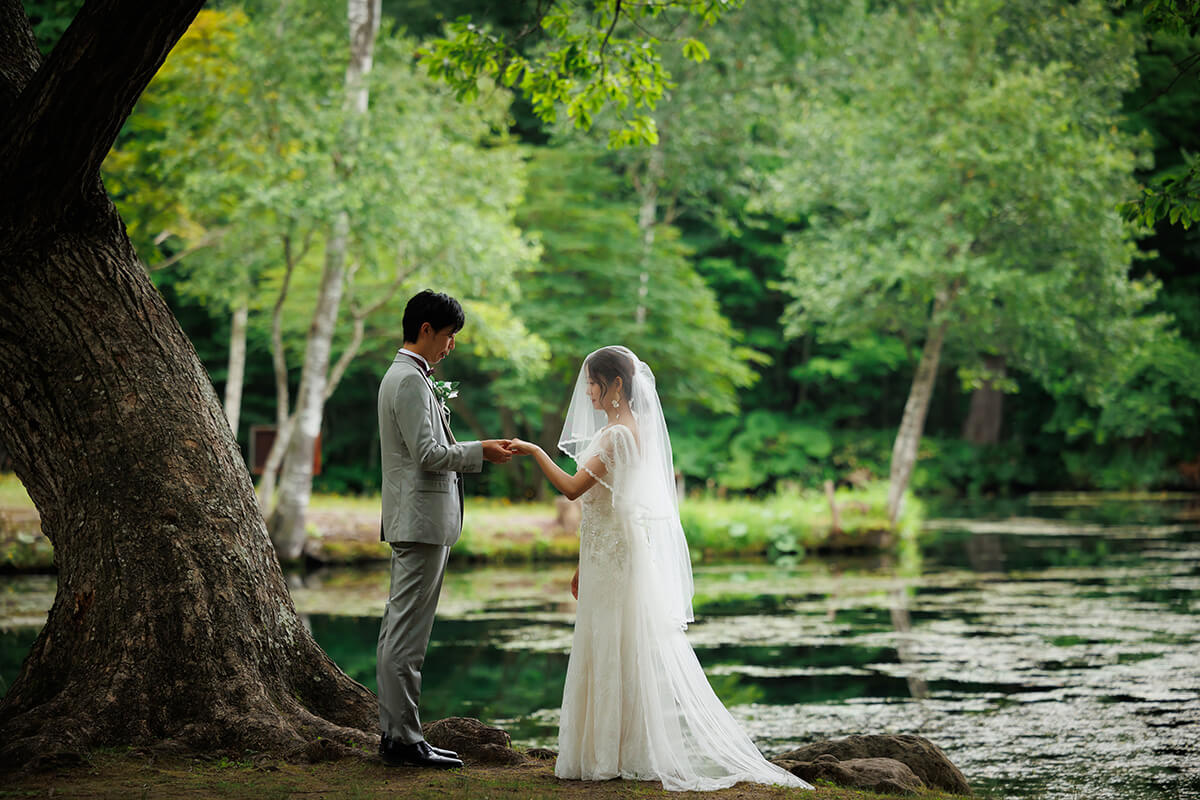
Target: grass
{"x":344,"y":529}
{"x":789,"y":523}
{"x":126,"y":775}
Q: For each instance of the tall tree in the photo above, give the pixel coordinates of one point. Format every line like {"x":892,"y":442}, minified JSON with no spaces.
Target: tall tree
{"x":287,"y":519}
{"x":171,"y":619}
{"x":261,"y":143}
{"x":955,"y":173}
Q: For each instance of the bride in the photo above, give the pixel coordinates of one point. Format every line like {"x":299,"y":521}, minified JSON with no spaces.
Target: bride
{"x":636,"y":702}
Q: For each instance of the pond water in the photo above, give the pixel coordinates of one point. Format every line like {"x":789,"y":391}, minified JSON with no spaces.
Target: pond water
{"x":1052,"y":650}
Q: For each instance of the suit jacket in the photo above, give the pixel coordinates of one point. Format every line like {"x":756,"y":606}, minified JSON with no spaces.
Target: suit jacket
{"x":422,"y":488}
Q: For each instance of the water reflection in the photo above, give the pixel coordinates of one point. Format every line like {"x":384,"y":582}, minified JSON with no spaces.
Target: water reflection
{"x":1053,"y":660}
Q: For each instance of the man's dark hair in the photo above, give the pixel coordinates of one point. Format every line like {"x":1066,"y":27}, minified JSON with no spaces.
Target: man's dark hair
{"x":437,"y":308}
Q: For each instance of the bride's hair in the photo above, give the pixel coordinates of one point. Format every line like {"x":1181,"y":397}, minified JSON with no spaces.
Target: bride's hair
{"x":609,"y":363}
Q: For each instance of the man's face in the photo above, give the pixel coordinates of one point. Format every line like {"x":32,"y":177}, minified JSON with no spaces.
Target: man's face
{"x":442,"y":344}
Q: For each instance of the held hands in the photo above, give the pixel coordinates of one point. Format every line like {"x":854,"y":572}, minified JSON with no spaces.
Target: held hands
{"x":522,"y":448}
{"x":497,"y":451}
{"x":500,"y":451}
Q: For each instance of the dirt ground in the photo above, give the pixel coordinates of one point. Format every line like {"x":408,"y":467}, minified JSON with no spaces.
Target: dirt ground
{"x":137,"y":775}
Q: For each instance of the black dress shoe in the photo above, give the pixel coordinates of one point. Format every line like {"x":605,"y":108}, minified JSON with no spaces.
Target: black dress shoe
{"x":442,"y":751}
{"x":386,"y":742}
{"x":417,"y":754}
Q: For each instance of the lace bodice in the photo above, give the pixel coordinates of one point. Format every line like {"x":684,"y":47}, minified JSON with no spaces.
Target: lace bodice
{"x":604,"y":544}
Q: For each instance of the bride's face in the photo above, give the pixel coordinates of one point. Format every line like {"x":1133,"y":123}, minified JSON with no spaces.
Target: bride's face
{"x":599,"y":396}
{"x":595,"y":393}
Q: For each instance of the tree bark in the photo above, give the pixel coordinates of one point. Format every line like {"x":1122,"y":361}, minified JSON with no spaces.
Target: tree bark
{"x":236,"y":373}
{"x":986,"y":416}
{"x":172,"y":622}
{"x":916,"y":408}
{"x":295,"y":485}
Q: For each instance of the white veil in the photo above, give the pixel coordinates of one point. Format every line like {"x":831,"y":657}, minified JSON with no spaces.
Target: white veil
{"x":644,"y":488}
{"x":636,"y":701}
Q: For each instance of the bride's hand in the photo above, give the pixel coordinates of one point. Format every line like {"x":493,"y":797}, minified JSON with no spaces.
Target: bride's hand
{"x":575,"y":584}
{"x":521,"y":447}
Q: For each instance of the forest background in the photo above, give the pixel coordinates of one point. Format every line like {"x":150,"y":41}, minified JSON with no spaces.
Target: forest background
{"x":837,"y":187}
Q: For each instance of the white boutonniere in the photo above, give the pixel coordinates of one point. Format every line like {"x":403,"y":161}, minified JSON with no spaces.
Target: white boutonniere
{"x":445,"y":391}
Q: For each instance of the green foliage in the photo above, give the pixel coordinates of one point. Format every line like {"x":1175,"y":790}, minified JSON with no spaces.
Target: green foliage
{"x":1173,"y":195}
{"x":1176,"y":16}
{"x":584,"y":294}
{"x":592,"y":57}
{"x":994,"y":189}
{"x":990,"y":195}
{"x":1123,"y":466}
{"x":954,"y":465}
{"x":241,"y":152}
{"x":264,"y":160}
{"x":1165,"y":104}
{"x":751,"y":450}
{"x":829,"y":167}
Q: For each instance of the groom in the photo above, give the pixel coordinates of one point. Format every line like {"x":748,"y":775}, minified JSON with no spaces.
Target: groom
{"x":422,"y":517}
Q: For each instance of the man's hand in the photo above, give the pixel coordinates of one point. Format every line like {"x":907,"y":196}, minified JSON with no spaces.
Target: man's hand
{"x":497,"y":451}
{"x":575,"y":584}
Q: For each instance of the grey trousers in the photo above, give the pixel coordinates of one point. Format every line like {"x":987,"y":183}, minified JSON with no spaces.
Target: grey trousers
{"x":417,"y":570}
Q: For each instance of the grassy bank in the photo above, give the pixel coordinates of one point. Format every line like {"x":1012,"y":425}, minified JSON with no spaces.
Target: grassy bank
{"x":126,"y":775}
{"x":790,"y":523}
{"x":345,"y":530}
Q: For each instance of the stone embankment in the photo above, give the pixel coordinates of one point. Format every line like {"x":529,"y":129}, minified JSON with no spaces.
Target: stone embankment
{"x":887,"y":764}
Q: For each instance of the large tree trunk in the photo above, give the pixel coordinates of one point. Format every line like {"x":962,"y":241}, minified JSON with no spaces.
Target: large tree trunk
{"x":986,"y":416}
{"x":295,"y":485}
{"x":916,"y":408}
{"x":236,"y":373}
{"x":172,"y":620}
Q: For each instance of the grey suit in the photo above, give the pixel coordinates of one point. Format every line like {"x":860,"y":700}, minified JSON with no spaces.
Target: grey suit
{"x":422,"y":518}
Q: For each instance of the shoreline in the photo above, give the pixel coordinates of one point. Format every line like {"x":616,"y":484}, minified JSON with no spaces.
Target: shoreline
{"x":344,"y":531}
{"x":121,"y":773}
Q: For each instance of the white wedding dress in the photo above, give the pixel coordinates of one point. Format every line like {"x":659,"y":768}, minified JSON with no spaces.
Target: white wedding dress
{"x":636,"y":703}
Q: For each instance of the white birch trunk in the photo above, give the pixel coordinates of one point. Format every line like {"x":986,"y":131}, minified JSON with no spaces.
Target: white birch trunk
{"x":283,"y":428}
{"x":648,"y":223}
{"x":295,"y":486}
{"x":236,"y":373}
{"x":916,"y":408}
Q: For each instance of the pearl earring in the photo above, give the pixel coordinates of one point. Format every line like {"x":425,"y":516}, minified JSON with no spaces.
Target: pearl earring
{"x":616,"y":403}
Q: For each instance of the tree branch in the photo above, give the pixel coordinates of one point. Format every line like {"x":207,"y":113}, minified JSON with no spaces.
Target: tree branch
{"x":207,"y":240}
{"x":18,"y":54}
{"x":1183,"y":67}
{"x":67,"y":116}
{"x":360,"y":315}
{"x":339,"y":369}
{"x":611,"y":28}
{"x":278,"y":357}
